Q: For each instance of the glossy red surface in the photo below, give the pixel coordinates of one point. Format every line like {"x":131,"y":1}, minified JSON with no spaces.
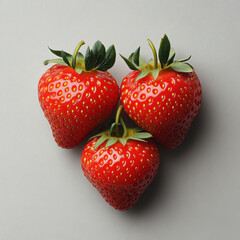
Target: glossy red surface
{"x":164,"y":107}
{"x":75,"y":103}
{"x":121,"y":173}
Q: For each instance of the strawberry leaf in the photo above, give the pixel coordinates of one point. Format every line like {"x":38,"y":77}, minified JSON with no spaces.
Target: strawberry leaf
{"x":123,"y":141}
{"x":110,"y":142}
{"x":79,"y":70}
{"x":130,"y":58}
{"x":137,"y":139}
{"x":73,"y":63}
{"x":57,"y":60}
{"x":67,"y":58}
{"x":89,"y":59}
{"x":181,"y":67}
{"x":135,"y":56}
{"x":142,"y":135}
{"x":138,"y":129}
{"x":155,"y":73}
{"x":129,"y":63}
{"x":109,"y":60}
{"x":100,"y":141}
{"x":95,"y":59}
{"x":184,"y":59}
{"x":80,"y":57}
{"x":99,"y":53}
{"x":80,"y":61}
{"x":171,"y":56}
{"x":142,"y":74}
{"x":97,"y":135}
{"x":59,"y":52}
{"x":64,"y":57}
{"x":98,"y":58}
{"x":164,"y":50}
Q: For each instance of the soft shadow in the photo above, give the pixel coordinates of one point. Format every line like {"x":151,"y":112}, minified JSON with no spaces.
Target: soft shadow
{"x":156,"y":194}
{"x":197,"y":133}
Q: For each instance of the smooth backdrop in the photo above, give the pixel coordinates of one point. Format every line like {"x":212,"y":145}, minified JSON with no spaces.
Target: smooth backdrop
{"x":43,"y":192}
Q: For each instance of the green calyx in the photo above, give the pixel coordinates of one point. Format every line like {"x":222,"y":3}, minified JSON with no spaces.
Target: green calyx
{"x":118,"y":132}
{"x":166,"y":55}
{"x":97,"y":58}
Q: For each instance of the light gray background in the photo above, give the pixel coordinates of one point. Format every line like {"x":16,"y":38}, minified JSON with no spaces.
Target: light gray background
{"x":43,"y":193}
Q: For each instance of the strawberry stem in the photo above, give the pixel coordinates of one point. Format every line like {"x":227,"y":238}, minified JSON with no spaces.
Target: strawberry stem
{"x":75,"y":54}
{"x":118,"y":114}
{"x":115,"y":134}
{"x":117,"y":124}
{"x":154,"y":53}
{"x":124,"y":128}
{"x":117,"y":119}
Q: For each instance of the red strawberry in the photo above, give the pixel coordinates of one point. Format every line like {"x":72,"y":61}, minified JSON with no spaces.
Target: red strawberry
{"x":78,"y":94}
{"x":162,"y":98}
{"x":122,"y":169}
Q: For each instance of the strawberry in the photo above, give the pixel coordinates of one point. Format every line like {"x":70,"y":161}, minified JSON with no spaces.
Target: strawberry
{"x":162,"y":98}
{"x":122,"y":168}
{"x":77,"y":94}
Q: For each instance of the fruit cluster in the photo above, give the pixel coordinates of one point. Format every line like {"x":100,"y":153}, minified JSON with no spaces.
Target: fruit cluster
{"x":163,"y":97}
